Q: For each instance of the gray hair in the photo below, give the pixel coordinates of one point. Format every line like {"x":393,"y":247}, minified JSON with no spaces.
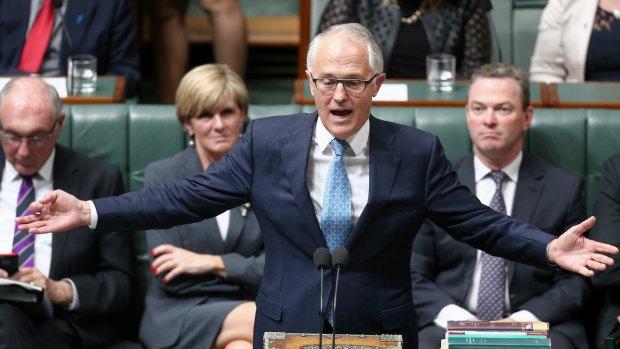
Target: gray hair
{"x":353,"y":31}
{"x":51,"y":92}
{"x":504,"y":70}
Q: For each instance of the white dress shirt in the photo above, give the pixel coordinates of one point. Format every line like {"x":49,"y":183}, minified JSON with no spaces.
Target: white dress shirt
{"x":485,"y":189}
{"x":356,"y":160}
{"x":43,"y":183}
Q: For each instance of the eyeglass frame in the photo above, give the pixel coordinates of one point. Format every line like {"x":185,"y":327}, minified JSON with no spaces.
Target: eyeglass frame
{"x":343,"y":82}
{"x":34,"y":140}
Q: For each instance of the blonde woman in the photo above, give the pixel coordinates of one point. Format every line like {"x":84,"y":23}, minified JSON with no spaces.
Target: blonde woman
{"x":205,"y":274}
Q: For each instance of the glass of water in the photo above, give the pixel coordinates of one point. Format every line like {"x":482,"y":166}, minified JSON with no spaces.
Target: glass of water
{"x":440,"y":71}
{"x":81,"y":74}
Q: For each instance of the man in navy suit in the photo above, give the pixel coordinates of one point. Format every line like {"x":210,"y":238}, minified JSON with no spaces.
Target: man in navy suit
{"x":398,"y":177}
{"x":446,"y":285}
{"x":102,"y":28}
{"x":86,"y":278}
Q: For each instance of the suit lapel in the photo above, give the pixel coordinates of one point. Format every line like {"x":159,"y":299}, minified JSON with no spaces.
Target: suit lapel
{"x":65,"y":178}
{"x":528,"y":191}
{"x":298,"y":142}
{"x":384,"y":162}
{"x":237,"y":222}
{"x":466,"y":173}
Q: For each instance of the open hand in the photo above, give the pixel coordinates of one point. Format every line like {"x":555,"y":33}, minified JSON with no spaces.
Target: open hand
{"x":56,"y":211}
{"x":574,"y":252}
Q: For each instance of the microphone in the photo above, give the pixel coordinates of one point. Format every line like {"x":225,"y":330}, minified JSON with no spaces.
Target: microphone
{"x":340,"y":259}
{"x":322,"y":260}
{"x":487,"y":6}
{"x":57,"y":4}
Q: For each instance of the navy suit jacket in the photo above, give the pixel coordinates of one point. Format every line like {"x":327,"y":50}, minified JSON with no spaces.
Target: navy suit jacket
{"x":410,"y":180}
{"x":103,"y":28}
{"x":607,"y":228}
{"x":101,"y":266}
{"x":547,"y":197}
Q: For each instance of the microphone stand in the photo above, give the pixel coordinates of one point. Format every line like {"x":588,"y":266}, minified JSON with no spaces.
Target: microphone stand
{"x":338,"y":267}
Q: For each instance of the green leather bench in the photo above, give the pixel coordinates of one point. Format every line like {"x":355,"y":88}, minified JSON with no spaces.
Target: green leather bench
{"x":131,"y":136}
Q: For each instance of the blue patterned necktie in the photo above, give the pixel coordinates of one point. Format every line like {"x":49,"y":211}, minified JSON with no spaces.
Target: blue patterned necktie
{"x":493,"y":277}
{"x":336,"y":221}
{"x":23,"y":243}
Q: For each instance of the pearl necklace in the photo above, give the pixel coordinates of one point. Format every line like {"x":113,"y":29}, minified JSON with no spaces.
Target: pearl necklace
{"x":616,"y":13}
{"x":415,"y":16}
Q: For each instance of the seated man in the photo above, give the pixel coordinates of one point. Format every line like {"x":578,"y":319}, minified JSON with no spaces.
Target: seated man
{"x":453,"y":281}
{"x":86,"y":277}
{"x":607,"y":211}
{"x":34,"y":41}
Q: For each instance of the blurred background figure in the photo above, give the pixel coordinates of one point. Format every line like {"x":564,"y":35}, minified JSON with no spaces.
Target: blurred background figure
{"x":206,"y":274}
{"x":607,"y":229}
{"x":87,"y":277}
{"x":409,"y":30}
{"x":578,"y":41}
{"x":172,"y":46}
{"x":33,"y":40}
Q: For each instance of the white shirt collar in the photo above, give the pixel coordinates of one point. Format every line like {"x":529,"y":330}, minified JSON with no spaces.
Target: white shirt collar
{"x":512,"y":169}
{"x":357,"y":142}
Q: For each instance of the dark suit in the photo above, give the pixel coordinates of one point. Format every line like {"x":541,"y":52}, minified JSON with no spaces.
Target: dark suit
{"x":410,"y":180}
{"x":607,"y":229}
{"x":442,"y":268}
{"x":103,"y":28}
{"x":191,"y":308}
{"x":100,"y":265}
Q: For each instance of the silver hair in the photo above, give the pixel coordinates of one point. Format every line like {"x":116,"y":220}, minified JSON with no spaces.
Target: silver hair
{"x":353,"y":31}
{"x":51,"y":91}
{"x":505,"y":70}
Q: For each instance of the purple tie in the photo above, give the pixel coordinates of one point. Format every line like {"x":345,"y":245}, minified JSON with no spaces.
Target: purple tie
{"x":493,"y":277}
{"x":23,"y":243}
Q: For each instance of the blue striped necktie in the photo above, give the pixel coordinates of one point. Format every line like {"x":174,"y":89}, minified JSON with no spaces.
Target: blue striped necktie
{"x":23,"y":243}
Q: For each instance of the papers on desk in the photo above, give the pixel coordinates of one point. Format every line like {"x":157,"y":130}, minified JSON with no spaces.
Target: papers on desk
{"x":59,"y":83}
{"x":15,"y":291}
{"x":392,"y":92}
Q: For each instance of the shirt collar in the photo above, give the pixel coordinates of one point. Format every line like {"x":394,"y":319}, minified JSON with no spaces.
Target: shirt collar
{"x":357,"y":142}
{"x":511,"y":170}
{"x":45,"y":173}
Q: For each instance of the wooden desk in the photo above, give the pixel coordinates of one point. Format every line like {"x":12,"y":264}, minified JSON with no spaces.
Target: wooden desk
{"x":110,"y":89}
{"x":582,"y":95}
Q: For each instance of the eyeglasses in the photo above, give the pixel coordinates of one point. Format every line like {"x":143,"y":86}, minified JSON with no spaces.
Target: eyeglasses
{"x":352,"y":86}
{"x":36,"y":140}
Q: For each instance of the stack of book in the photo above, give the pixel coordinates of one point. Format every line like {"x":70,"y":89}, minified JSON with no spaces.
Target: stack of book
{"x":493,"y":334}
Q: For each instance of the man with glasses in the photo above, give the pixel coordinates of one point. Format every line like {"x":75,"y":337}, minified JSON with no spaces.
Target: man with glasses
{"x":86,"y":278}
{"x":333,"y":178}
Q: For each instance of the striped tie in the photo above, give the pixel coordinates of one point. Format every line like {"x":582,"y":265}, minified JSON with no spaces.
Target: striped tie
{"x":493,"y":277}
{"x":23,"y":243}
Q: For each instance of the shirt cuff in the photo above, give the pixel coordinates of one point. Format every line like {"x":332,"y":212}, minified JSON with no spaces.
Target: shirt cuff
{"x":75,"y":303}
{"x":524,"y":315}
{"x":452,"y":312}
{"x":93,"y":215}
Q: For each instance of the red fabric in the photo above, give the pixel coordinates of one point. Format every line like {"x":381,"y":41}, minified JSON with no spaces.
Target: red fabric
{"x":38,"y":39}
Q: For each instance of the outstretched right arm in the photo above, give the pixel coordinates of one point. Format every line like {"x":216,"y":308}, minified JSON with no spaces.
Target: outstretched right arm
{"x":56,"y":211}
